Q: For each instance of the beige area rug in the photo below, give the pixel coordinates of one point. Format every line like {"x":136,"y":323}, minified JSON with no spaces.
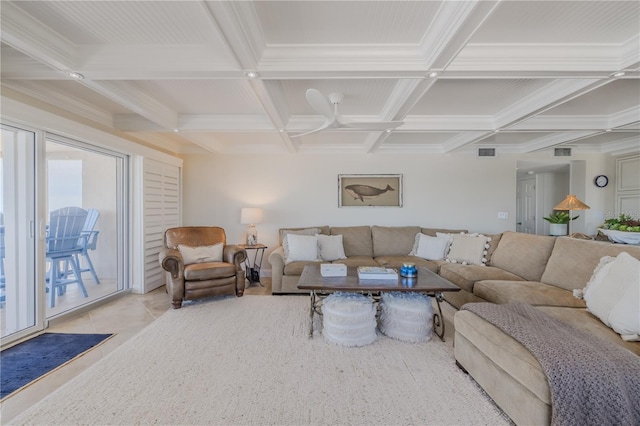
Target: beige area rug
{"x":249,"y":361}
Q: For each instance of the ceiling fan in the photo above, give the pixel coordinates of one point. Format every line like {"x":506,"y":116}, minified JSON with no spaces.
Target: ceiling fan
{"x":322,"y":105}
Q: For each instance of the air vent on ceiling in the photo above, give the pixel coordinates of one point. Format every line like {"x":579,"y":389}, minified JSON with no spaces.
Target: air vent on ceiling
{"x":562,"y":152}
{"x":486,"y":152}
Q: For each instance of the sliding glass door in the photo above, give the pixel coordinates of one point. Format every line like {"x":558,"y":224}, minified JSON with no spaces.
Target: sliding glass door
{"x":63,"y":228}
{"x":18,"y":296}
{"x":85,"y":207}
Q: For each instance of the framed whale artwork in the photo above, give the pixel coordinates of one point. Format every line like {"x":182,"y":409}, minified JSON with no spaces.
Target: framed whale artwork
{"x":369,"y":190}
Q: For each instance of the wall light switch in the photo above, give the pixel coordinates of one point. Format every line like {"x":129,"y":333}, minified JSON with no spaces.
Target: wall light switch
{"x":503,"y":215}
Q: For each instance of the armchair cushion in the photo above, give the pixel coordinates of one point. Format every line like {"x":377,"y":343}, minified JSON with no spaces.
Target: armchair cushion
{"x":201,"y":254}
{"x":209,"y":271}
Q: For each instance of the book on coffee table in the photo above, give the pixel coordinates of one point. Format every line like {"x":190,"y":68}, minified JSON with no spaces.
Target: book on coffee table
{"x":376,"y":273}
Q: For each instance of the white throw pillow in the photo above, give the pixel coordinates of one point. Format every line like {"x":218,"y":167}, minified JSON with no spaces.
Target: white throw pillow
{"x":430,"y":248}
{"x":201,"y":254}
{"x":331,"y":247}
{"x":613,"y":294}
{"x":468,"y":249}
{"x":300,"y":247}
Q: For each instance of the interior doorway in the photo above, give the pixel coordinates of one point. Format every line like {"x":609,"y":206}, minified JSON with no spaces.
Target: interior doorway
{"x":540,"y":187}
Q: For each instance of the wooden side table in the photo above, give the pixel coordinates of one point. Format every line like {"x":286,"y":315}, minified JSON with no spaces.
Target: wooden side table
{"x":252,"y":267}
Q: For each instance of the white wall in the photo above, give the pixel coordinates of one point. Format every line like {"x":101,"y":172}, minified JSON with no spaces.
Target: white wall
{"x":448,"y":191}
{"x":440,"y":190}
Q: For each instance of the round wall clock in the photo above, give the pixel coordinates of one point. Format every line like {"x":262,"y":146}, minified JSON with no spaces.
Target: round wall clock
{"x":601,"y":181}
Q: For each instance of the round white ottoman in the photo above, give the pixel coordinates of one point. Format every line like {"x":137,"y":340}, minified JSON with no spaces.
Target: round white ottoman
{"x":348,"y":319}
{"x":406,"y":316}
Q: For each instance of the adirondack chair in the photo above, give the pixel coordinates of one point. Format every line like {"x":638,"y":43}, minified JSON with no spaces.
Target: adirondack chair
{"x":89,"y":242}
{"x":63,"y":245}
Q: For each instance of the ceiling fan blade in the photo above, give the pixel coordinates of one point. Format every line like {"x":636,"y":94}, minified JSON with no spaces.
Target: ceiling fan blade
{"x":320,"y":103}
{"x":319,"y":129}
{"x":372,"y":125}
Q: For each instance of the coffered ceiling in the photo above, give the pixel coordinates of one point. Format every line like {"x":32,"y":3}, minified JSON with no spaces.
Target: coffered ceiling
{"x":520,"y":76}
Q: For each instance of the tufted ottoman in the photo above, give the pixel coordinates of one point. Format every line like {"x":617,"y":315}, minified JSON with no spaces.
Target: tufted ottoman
{"x":348,"y":319}
{"x":406,"y":316}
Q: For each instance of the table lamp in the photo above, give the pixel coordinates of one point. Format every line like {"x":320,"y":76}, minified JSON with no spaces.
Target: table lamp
{"x":250,"y":216}
{"x":571,"y":203}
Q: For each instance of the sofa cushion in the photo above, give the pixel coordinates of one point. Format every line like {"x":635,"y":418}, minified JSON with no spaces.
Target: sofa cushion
{"x":585,"y":321}
{"x":532,"y":292}
{"x":465,"y":276}
{"x":209,"y":271}
{"x":430,"y":248}
{"x":468,"y":249}
{"x":613,"y":294}
{"x":525,"y":255}
{"x":295,"y":268}
{"x":393,"y":240}
{"x":310,"y":230}
{"x":396,"y":262}
{"x":300,"y":247}
{"x":356,"y":240}
{"x":493,"y":245}
{"x":573,"y":261}
{"x":433,"y":231}
{"x":504,"y":351}
{"x":330,"y":247}
{"x":356,"y":261}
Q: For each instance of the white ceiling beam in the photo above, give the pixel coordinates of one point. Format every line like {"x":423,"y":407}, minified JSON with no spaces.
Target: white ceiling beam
{"x":129,"y":96}
{"x":462,"y":139}
{"x":452,"y":28}
{"x":630,"y":53}
{"x":542,"y":57}
{"x":553,"y":94}
{"x":197,"y":123}
{"x":549,"y":141}
{"x":624,"y":118}
{"x":237,"y":25}
{"x":272,"y":108}
{"x":43,"y":92}
{"x":624,"y":146}
{"x":29,"y":36}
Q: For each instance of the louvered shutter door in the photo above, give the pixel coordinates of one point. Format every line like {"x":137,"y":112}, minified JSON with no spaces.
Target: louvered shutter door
{"x":161,"y":211}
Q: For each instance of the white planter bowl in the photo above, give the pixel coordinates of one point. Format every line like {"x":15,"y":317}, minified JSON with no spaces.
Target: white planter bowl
{"x":557,"y":229}
{"x":621,"y":236}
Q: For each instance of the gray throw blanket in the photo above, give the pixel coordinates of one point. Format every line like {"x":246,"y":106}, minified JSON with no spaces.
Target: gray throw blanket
{"x":592,"y":381}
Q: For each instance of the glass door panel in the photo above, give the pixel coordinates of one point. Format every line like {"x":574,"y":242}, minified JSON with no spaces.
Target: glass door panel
{"x":84,"y":204}
{"x":18,"y":301}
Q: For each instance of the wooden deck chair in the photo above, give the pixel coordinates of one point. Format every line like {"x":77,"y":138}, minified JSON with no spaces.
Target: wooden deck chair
{"x":63,"y":243}
{"x":89,"y":242}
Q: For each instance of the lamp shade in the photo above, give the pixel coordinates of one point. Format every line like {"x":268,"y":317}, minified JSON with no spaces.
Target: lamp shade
{"x":250,"y":216}
{"x":571,"y":203}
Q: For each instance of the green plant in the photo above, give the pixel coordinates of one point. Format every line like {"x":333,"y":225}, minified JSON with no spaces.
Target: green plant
{"x":624,"y":222}
{"x":560,"y":217}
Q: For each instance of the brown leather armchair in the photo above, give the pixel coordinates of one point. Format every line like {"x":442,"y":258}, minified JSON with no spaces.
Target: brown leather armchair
{"x":188,"y":282}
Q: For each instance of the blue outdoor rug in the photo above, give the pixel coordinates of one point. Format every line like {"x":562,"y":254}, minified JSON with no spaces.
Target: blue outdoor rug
{"x":25,"y":362}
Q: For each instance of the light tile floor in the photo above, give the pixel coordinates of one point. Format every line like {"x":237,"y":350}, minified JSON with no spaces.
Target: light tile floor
{"x":125,"y":316}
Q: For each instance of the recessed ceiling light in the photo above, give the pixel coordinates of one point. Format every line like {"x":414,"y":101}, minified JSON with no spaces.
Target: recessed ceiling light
{"x":176,"y":130}
{"x":281,"y":130}
{"x":433,"y":74}
{"x":388,"y":130}
{"x":252,"y":74}
{"x":607,"y":130}
{"x":617,"y":74}
{"x":75,"y":75}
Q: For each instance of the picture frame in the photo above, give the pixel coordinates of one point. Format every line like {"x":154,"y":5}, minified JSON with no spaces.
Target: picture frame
{"x":362,"y":190}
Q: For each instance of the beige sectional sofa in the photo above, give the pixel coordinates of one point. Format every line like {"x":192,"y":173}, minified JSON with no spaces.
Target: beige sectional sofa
{"x":387,"y":246}
{"x":539,"y":270}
